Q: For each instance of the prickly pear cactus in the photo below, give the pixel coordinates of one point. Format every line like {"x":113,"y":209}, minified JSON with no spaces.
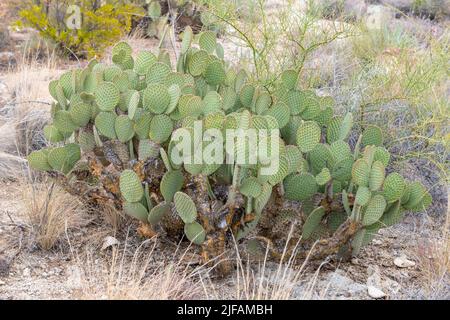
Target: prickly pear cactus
{"x":116,"y":129}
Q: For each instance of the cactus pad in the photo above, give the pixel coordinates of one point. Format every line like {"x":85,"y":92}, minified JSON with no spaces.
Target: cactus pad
{"x":131,"y":186}
{"x":185,"y":207}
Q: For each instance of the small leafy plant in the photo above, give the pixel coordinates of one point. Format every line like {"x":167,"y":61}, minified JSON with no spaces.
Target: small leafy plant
{"x":115,"y":127}
{"x":101,"y":25}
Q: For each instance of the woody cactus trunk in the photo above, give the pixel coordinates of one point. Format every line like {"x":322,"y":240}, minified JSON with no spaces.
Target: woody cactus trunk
{"x":115,"y":129}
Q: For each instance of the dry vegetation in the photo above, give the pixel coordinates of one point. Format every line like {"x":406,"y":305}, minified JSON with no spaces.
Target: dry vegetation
{"x":397,"y":79}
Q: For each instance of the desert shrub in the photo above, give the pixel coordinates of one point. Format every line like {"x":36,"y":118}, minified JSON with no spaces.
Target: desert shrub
{"x":101,"y":24}
{"x":116,"y":133}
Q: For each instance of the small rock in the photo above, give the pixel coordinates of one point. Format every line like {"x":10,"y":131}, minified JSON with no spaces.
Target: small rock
{"x":26,"y":272}
{"x":375,"y":293}
{"x":377,"y":242}
{"x":109,"y":242}
{"x":2,"y":283}
{"x":403,"y":262}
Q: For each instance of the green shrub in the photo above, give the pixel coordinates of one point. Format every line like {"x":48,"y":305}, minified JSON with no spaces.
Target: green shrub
{"x":101,"y":25}
{"x":116,"y":125}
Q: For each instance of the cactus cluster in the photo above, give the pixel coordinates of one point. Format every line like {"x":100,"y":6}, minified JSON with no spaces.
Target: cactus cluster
{"x":114,"y":127}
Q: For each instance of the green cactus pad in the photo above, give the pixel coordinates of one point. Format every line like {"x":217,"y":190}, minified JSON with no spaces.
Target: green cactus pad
{"x":63,"y":122}
{"x":214,"y":120}
{"x":147,"y":149}
{"x":263,"y":102}
{"x":289,"y":79}
{"x":374,"y":210}
{"x":64,"y":158}
{"x":320,"y":157}
{"x":142,"y":125}
{"x":282,"y":172}
{"x":52,"y":134}
{"x":198,"y":62}
{"x":323,"y":177}
{"x":294,"y":157}
{"x":122,"y":48}
{"x":382,"y":155}
{"x":136,"y":210}
{"x":246,"y":95}
{"x":107,"y":96}
{"x":157,"y":73}
{"x":171,"y":183}
{"x":144,"y":60}
{"x":308,"y":136}
{"x":281,"y":113}
{"x":312,"y":222}
{"x":195,"y":233}
{"x":124,"y":128}
{"x":372,"y":136}
{"x":376,"y":177}
{"x":300,"y":186}
{"x":187,"y":39}
{"x":156,"y":98}
{"x":111,"y":72}
{"x":393,"y":187}
{"x":363,"y":196}
{"x":207,"y":41}
{"x":185,"y":207}
{"x":251,"y":187}
{"x":335,"y":220}
{"x":215,"y":73}
{"x":393,"y":215}
{"x":38,"y":160}
{"x":339,"y":128}
{"x":311,"y":107}
{"x":340,"y":150}
{"x":342,"y":170}
{"x":361,"y":173}
{"x":86,"y":140}
{"x":294,"y":100}
{"x":174,"y":93}
{"x":158,"y":212}
{"x":161,"y":128}
{"x":212,"y":102}
{"x":416,"y":193}
{"x":80,"y":114}
{"x":190,"y":106}
{"x":67,"y":83}
{"x":105,"y":123}
{"x":131,"y":186}
{"x":263,"y":198}
{"x":325,"y":116}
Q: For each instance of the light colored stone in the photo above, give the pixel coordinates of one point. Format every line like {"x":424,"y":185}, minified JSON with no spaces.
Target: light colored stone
{"x":403,"y":262}
{"x":109,"y":242}
{"x":375,"y":293}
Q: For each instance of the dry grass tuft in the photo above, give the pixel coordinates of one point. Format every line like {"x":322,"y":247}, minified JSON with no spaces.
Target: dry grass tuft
{"x":52,"y":212}
{"x":112,"y":217}
{"x":139,"y":277}
{"x":433,"y":256}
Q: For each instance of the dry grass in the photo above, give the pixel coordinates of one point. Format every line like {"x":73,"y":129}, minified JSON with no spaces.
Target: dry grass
{"x":139,"y":276}
{"x":25,"y":113}
{"x":433,"y":256}
{"x":52,"y":212}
